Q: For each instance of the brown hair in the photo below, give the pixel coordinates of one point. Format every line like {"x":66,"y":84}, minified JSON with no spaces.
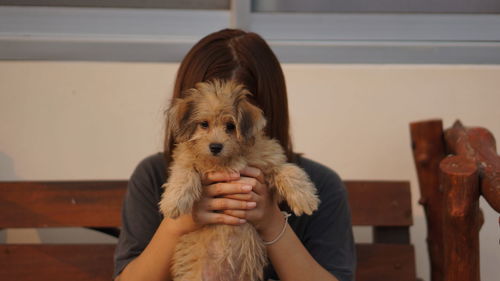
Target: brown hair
{"x":247,"y":58}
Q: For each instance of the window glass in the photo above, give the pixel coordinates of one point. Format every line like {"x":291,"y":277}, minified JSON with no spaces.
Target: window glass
{"x":378,"y":6}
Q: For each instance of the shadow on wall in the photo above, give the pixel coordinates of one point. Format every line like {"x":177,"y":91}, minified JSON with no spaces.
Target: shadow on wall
{"x":7,"y":173}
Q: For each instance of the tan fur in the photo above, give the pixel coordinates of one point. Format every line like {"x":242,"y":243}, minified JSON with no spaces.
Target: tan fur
{"x":222,"y":252}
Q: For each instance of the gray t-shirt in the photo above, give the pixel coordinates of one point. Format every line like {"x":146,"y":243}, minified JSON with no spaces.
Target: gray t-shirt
{"x":326,"y":234}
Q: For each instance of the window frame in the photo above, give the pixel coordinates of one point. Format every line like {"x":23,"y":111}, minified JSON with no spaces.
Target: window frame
{"x":142,"y":35}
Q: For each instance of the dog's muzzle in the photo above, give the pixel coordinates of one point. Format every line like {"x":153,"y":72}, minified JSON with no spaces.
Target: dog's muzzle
{"x":215,"y":148}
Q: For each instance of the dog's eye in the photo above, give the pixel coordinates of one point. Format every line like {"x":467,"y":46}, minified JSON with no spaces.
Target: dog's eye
{"x":204,"y":124}
{"x":230,"y":127}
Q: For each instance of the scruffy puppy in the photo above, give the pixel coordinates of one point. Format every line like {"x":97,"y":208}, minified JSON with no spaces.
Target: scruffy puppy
{"x":216,"y":128}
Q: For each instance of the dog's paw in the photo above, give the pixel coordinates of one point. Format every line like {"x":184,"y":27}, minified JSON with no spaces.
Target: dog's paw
{"x":172,"y":205}
{"x":303,"y":200}
{"x":296,"y":188}
{"x":169,"y":211}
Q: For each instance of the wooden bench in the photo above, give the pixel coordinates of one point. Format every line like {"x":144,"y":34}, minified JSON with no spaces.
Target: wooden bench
{"x":385,"y":206}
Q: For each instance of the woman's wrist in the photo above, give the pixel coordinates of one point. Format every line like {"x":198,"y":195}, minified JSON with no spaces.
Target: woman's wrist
{"x":171,"y":228}
{"x":272,"y":226}
{"x":179,"y":226}
{"x":282,"y":232}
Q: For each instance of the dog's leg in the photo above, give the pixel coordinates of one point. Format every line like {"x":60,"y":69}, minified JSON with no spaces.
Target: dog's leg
{"x":293,"y":185}
{"x":182,"y":189}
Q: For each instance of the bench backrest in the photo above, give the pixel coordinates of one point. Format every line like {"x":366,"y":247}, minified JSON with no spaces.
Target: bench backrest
{"x":386,"y":206}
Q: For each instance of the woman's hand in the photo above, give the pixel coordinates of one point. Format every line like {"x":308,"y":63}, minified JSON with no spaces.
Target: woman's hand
{"x":266,"y":216}
{"x":219,"y":195}
{"x":234,"y":199}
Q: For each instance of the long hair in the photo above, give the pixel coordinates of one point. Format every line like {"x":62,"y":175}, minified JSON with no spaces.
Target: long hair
{"x":232,"y":54}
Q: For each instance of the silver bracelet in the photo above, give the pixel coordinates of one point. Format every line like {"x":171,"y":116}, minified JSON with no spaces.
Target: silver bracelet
{"x":285,"y":215}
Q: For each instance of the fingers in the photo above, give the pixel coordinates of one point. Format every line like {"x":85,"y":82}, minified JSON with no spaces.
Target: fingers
{"x":219,"y":204}
{"x":219,"y":177}
{"x":236,"y":213}
{"x":255,"y":178}
{"x":257,"y":187}
{"x":220,"y":189}
{"x":229,"y":198}
{"x":220,"y":218}
{"x":253,"y":173}
{"x":243,"y":197}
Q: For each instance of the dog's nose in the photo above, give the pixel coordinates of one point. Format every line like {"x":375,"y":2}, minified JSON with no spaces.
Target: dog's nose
{"x":215,"y":148}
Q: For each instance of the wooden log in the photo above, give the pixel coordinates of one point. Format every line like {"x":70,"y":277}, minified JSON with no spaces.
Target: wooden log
{"x":478,"y":145}
{"x":428,"y":150}
{"x":462,"y":219}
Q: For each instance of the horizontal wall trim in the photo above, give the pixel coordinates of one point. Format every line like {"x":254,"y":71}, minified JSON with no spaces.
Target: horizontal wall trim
{"x":287,"y":52}
{"x":88,"y":34}
{"x":388,"y":52}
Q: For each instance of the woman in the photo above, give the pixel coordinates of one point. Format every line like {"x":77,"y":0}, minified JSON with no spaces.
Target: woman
{"x":316,"y":247}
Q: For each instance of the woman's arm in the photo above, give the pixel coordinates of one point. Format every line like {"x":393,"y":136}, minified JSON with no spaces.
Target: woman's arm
{"x":154,"y":262}
{"x":289,"y":257}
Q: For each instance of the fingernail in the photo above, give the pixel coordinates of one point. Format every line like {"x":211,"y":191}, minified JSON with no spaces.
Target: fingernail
{"x":246,"y":187}
{"x":243,"y":221}
{"x":251,"y":204}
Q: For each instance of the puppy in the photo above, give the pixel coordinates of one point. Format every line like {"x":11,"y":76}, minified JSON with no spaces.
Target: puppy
{"x":216,"y":128}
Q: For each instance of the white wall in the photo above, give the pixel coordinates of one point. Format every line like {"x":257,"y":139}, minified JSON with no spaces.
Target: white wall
{"x":78,"y":120}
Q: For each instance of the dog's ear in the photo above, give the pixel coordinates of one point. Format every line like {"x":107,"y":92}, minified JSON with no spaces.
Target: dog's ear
{"x":179,"y":126}
{"x":250,"y":118}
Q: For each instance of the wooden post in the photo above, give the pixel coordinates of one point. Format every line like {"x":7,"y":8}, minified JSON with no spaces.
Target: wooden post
{"x":428,"y":150}
{"x":462,"y":219}
{"x":478,"y":145}
{"x":452,"y":203}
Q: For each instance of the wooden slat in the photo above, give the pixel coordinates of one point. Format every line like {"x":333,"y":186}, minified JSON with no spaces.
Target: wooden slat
{"x":385,"y":262}
{"x":55,"y":204}
{"x":95,"y":262}
{"x":61,"y":204}
{"x":380,"y":203}
{"x":56,"y":262}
